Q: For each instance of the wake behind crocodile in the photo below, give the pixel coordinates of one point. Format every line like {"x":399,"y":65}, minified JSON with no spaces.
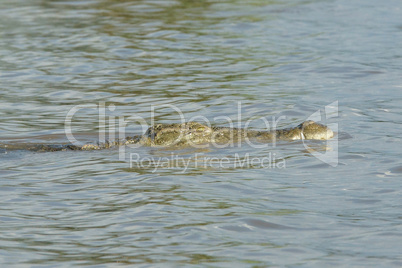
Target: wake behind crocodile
{"x":179,"y":135}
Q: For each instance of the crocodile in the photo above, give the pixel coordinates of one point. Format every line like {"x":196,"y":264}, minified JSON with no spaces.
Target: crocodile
{"x":196,"y":134}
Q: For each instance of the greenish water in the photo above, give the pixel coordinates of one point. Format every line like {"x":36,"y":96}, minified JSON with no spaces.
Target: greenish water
{"x":242,"y":60}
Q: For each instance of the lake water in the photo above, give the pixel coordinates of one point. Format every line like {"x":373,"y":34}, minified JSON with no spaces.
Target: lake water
{"x":114,"y":67}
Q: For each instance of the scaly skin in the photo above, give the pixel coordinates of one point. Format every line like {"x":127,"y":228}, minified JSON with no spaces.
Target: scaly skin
{"x":193,"y":133}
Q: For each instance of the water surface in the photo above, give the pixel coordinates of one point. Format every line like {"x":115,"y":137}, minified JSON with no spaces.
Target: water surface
{"x":210,"y":59}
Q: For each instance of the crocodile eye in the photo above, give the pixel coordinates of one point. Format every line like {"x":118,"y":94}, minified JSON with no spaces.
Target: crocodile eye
{"x":201,"y":129}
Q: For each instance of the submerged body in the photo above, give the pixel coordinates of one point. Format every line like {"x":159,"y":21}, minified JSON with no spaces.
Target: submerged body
{"x":196,"y":134}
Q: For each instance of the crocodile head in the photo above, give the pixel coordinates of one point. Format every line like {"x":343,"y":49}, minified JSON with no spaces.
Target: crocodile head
{"x":311,"y":130}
